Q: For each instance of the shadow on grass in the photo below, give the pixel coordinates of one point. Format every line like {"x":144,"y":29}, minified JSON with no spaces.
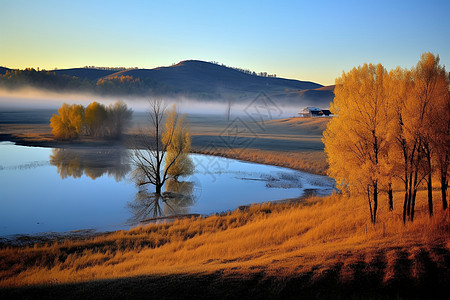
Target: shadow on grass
{"x":251,"y":286}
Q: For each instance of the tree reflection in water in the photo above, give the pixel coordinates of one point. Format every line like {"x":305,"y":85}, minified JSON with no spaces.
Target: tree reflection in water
{"x":92,"y":162}
{"x":176,"y":200}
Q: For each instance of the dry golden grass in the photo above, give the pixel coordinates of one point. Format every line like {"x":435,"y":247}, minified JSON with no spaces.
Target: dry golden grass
{"x":281,"y":240}
{"x":307,"y":161}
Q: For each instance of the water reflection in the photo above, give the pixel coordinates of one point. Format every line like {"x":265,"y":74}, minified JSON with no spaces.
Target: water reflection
{"x":176,"y":200}
{"x":91,"y":162}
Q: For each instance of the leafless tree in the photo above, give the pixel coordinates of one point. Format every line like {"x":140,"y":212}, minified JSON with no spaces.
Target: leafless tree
{"x":149,"y":154}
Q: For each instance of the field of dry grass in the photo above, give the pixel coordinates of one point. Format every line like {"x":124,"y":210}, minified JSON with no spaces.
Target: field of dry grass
{"x":312,"y":239}
{"x":292,"y":143}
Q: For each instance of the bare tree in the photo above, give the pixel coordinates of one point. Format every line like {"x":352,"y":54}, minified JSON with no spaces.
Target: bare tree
{"x":150,"y":153}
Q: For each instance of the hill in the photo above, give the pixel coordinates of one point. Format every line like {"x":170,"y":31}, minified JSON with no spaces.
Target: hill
{"x":191,"y":78}
{"x":213,"y":81}
{"x":199,"y":77}
{"x":3,"y":70}
{"x":82,"y":73}
{"x":320,"y":97}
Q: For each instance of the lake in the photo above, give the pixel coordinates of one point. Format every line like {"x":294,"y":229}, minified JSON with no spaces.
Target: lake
{"x":60,"y":190}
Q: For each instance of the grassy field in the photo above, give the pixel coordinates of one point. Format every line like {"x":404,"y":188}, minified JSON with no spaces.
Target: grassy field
{"x":322,"y":247}
{"x":319,"y":248}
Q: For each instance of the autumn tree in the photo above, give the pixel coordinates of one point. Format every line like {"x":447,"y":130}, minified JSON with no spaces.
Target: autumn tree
{"x":389,"y":128}
{"x":431,"y":89}
{"x":355,"y":140}
{"x":118,"y":118}
{"x":152,"y":166}
{"x":403,"y":150}
{"x":442,"y":145}
{"x":96,"y":116}
{"x":178,"y":141}
{"x":68,"y":123}
{"x":418,"y":97}
{"x":96,"y":120}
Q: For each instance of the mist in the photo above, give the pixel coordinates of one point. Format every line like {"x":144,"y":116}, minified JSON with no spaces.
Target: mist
{"x":32,"y":98}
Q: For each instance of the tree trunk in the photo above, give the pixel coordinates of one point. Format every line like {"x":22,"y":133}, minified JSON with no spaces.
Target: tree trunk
{"x":430,"y":195}
{"x":410,"y":192}
{"x":413,"y":205}
{"x":158,"y":189}
{"x":405,"y":203}
{"x":444,"y":186}
{"x":375,"y":202}
{"x":427,"y":152}
{"x":370,"y":203}
{"x":413,"y":200}
{"x":391,"y":198}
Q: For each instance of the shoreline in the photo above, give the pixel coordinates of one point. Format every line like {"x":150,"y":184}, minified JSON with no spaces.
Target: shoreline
{"x":93,"y":143}
{"x":20,"y":240}
{"x":46,"y":237}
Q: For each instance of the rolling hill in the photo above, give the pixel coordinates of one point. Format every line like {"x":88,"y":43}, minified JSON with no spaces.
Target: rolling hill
{"x":200,"y":76}
{"x":82,"y":73}
{"x":192,"y":79}
{"x":3,"y":70}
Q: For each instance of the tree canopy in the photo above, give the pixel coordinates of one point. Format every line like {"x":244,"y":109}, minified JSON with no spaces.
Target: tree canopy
{"x":95,"y":120}
{"x":390,"y":128}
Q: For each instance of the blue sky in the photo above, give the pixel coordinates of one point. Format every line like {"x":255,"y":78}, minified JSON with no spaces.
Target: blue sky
{"x":305,"y":40}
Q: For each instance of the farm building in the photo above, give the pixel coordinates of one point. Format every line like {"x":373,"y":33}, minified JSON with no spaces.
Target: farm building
{"x":309,"y":112}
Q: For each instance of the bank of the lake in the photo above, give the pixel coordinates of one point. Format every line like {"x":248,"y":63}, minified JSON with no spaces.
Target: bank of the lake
{"x":318,"y":248}
{"x":80,"y":188}
{"x":291,"y":143}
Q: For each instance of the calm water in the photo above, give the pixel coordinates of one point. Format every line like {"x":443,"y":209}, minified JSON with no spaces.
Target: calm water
{"x":60,"y":190}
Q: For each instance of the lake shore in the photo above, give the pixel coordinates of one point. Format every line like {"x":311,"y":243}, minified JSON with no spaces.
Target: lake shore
{"x":384,"y":263}
{"x":317,"y":248}
{"x":262,"y":150}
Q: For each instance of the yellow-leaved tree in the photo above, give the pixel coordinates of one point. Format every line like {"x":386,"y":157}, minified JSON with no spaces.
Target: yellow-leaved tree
{"x":96,"y":117}
{"x":355,"y":139}
{"x":178,"y":141}
{"x":391,"y":128}
{"x":419,"y":128}
{"x":68,"y":123}
{"x":162,"y":153}
{"x":430,"y":91}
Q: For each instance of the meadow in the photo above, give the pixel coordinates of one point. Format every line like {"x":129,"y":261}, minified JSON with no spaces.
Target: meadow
{"x":327,"y":245}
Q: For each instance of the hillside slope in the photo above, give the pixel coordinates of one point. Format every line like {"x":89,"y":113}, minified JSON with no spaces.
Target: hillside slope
{"x":82,"y":73}
{"x":193,"y":79}
{"x":200,"y":76}
{"x":3,"y":70}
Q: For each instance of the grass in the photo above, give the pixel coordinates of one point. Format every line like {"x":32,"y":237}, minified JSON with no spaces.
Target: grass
{"x":313,"y":237}
{"x":311,"y":162}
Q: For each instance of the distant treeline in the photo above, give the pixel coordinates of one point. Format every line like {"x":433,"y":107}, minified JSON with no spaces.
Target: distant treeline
{"x":117,"y":69}
{"x":246,"y":71}
{"x":126,"y":85}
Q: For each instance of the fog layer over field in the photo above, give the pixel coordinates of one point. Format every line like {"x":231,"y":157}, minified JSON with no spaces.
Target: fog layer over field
{"x":30,"y":98}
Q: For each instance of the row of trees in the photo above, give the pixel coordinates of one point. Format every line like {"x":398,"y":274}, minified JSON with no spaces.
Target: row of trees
{"x":392,"y":129}
{"x":126,"y":85}
{"x":246,"y":71}
{"x":95,"y":120}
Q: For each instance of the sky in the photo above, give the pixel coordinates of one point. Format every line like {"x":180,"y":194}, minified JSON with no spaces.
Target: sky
{"x":304,"y":40}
